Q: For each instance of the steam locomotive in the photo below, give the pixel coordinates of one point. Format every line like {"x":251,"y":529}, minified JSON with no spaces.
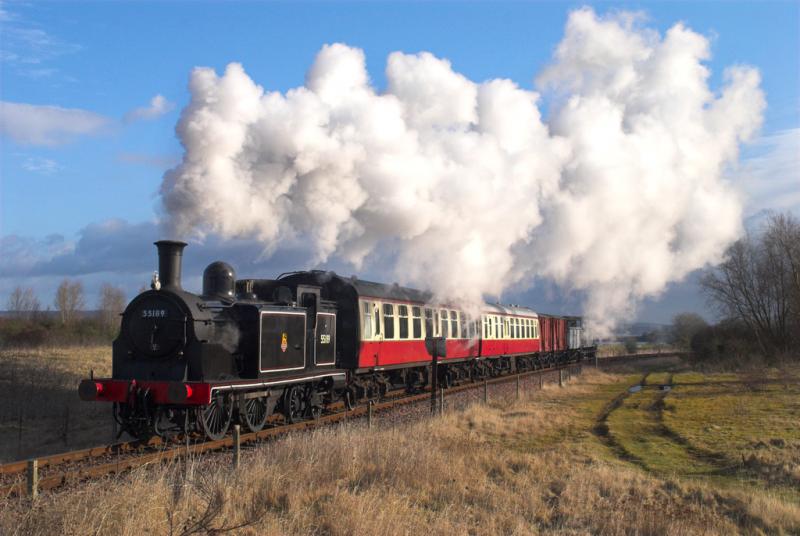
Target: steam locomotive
{"x":246,"y":349}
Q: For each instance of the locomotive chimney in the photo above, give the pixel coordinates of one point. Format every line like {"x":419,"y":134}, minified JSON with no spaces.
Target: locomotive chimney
{"x":170,"y":254}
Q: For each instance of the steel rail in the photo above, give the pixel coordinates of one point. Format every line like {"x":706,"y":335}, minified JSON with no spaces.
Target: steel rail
{"x":166,"y":451}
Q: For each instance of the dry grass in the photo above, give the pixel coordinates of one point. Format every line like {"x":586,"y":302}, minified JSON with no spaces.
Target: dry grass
{"x":526,"y":467}
{"x":40,"y":412}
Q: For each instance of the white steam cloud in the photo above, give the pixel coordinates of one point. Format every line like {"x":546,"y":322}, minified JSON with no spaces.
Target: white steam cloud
{"x":463,"y":187}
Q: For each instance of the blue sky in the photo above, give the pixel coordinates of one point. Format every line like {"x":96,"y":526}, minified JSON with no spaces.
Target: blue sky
{"x":111,"y":59}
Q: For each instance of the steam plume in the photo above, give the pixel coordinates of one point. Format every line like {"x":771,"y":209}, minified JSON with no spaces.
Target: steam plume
{"x":463,"y":187}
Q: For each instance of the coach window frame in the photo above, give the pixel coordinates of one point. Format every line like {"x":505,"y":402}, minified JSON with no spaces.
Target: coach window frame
{"x":402,"y":319}
{"x":366,"y":320}
{"x":389,"y":333}
{"x":416,"y":322}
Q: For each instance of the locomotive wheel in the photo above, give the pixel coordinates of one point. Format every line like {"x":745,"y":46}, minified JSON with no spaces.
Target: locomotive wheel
{"x":216,"y":417}
{"x":254,"y":413}
{"x":293,"y":404}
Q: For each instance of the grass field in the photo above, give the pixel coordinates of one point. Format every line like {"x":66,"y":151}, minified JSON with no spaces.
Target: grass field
{"x":40,"y":412}
{"x":704,"y":457}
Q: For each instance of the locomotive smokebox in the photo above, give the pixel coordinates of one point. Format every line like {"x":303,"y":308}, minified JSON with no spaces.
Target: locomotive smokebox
{"x":170,"y":255}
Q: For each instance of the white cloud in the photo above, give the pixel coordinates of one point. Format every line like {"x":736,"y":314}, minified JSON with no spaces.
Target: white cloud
{"x":31,"y":124}
{"x":462,"y":187}
{"x":43,"y":166}
{"x":26,"y":46}
{"x":158,"y":106}
{"x":771,"y":180}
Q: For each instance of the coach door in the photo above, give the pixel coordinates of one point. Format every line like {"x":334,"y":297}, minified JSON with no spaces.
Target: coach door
{"x":325,"y":340}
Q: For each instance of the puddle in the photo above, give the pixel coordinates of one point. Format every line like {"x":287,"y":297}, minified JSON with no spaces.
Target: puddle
{"x":635,"y":389}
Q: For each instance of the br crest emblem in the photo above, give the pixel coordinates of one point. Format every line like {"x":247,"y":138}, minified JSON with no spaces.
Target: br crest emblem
{"x":284,"y":342}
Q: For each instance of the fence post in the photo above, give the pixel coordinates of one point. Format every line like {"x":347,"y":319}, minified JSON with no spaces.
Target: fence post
{"x":19,"y":433}
{"x":485,"y":391}
{"x":441,"y":401}
{"x":369,"y":414}
{"x":560,"y":377}
{"x":540,"y":381}
{"x":66,"y":424}
{"x":237,"y":445}
{"x":517,"y":385}
{"x":33,"y":479}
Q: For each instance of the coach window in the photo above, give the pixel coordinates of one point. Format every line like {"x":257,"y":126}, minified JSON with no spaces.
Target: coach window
{"x":429,"y":323}
{"x":376,"y":313}
{"x":530,"y":328}
{"x":518,"y":328}
{"x":416,"y":323}
{"x":367,"y":330}
{"x":536,"y":329}
{"x":388,"y":320}
{"x":454,"y":325}
{"x":444,"y":326}
{"x":402,"y":313}
{"x":436,"y":332}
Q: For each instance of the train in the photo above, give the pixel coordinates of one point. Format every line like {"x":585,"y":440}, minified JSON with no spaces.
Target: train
{"x":247,"y":349}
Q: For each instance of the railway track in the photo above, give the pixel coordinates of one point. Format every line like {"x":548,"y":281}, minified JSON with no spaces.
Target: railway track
{"x":72,"y":467}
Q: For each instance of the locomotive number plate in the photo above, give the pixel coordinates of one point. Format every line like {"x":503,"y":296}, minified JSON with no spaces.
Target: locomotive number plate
{"x":325,"y":338}
{"x":154,"y":313}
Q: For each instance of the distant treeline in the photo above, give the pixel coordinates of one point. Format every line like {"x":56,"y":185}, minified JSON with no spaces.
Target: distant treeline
{"x":756,"y":290}
{"x":27,"y":323}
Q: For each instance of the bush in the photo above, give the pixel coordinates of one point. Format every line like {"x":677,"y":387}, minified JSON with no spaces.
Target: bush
{"x":729,"y":342}
{"x":43,"y":331}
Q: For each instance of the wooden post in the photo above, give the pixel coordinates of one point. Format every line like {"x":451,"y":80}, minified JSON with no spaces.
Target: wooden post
{"x":485,"y":391}
{"x":33,"y":479}
{"x":369,"y":414}
{"x":114,"y":430}
{"x":560,"y":378}
{"x":441,"y":401}
{"x":66,"y":424}
{"x":19,"y":433}
{"x":517,"y":385}
{"x":237,"y":445}
{"x":540,"y":381}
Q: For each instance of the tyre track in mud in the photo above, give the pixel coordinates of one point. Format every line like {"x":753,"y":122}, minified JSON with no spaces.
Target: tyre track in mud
{"x":603,"y":433}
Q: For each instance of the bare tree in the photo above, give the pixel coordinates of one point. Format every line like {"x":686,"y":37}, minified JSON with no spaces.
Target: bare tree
{"x":23,"y":303}
{"x":69,"y":300}
{"x":111,"y":304}
{"x":684,"y":327}
{"x":759,"y":284}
